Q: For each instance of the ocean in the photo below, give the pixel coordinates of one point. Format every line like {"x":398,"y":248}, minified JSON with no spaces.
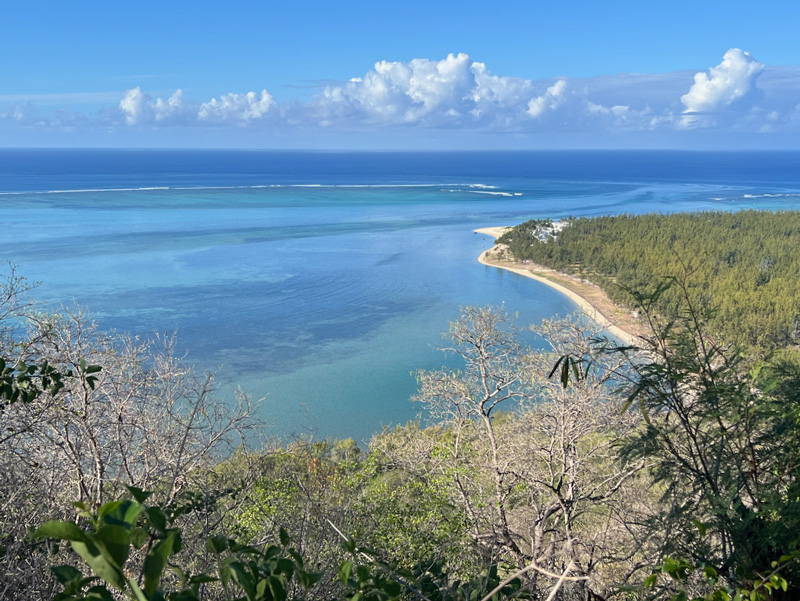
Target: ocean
{"x":322,"y":281}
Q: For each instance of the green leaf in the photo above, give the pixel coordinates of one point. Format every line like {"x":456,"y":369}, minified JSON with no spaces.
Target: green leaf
{"x":137,"y":592}
{"x":216,"y":544}
{"x":123,"y":513}
{"x":284,"y":536}
{"x":362,"y":573}
{"x":565,"y":372}
{"x":100,"y":563}
{"x":285,"y":566}
{"x":98,"y":593}
{"x":138,"y":494}
{"x":107,"y":508}
{"x":307,"y":580}
{"x":243,"y":578}
{"x":345,"y":568}
{"x":298,"y":559}
{"x":157,"y":518}
{"x":156,"y":561}
{"x":66,"y":574}
{"x":277,"y":587}
{"x":645,"y":413}
{"x":261,"y":588}
{"x":184,"y":596}
{"x":61,"y":530}
{"x":202,"y":579}
{"x":710,"y":573}
{"x":116,"y":540}
{"x":700,"y":526}
{"x":555,"y":367}
{"x":138,"y":537}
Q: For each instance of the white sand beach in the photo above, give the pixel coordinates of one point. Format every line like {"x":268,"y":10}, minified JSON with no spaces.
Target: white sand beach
{"x":590,"y":298}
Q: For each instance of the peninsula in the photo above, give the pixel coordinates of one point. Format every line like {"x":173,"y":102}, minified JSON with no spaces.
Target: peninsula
{"x":736,"y":270}
{"x":592,"y":300}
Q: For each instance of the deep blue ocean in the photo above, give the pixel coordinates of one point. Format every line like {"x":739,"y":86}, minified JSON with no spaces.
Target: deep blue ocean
{"x":323,"y":280}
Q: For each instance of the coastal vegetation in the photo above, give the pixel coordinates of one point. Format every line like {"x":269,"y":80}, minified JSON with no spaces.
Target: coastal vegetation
{"x":743,"y":266}
{"x":664,"y":470}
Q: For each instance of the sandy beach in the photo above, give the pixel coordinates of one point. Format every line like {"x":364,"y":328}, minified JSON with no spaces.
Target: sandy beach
{"x":590,"y":298}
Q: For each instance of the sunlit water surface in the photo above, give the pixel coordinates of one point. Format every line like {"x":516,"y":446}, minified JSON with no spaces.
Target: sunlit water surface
{"x":323,"y":281}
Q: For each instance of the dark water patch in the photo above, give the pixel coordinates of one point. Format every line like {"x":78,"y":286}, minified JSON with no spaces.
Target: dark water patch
{"x":271,"y":328}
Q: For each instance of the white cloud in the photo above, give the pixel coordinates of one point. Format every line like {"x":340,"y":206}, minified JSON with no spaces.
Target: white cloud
{"x":133,"y":105}
{"x":453,"y":92}
{"x":137,"y":107}
{"x":237,"y":108}
{"x":433,"y":85}
{"x":730,"y":81}
{"x":165,"y":109}
{"x":549,"y":101}
{"x":458,"y":92}
{"x":399,"y":93}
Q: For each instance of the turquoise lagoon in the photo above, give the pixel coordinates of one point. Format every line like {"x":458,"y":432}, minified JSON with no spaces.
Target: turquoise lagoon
{"x":322,"y":281}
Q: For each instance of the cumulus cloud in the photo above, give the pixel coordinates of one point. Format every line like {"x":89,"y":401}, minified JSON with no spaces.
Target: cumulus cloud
{"x":133,"y":105}
{"x":434,"y":85}
{"x":454,"y":91}
{"x":165,"y":109}
{"x":732,"y":81}
{"x":458,"y":92}
{"x":232,"y":108}
{"x":138,"y":107}
{"x":400,"y":93}
{"x":549,"y":101}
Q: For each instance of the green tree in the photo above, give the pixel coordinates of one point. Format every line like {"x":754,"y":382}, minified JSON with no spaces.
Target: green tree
{"x":721,"y":442}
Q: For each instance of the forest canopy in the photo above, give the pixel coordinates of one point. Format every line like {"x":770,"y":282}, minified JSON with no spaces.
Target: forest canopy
{"x":744,"y":265}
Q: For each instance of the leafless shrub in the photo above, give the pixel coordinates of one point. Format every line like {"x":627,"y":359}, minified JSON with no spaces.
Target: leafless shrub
{"x":146,"y":421}
{"x":540,"y":484}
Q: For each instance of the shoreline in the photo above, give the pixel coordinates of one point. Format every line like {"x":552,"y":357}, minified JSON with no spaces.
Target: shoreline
{"x":589,"y":297}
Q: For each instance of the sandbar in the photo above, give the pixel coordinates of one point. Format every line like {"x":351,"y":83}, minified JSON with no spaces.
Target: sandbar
{"x":592,"y":300}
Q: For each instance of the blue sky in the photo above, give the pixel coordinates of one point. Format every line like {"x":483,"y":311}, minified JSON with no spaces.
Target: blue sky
{"x":303,"y":74}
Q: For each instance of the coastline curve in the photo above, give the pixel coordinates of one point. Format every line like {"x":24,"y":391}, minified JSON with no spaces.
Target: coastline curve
{"x":627,"y":335}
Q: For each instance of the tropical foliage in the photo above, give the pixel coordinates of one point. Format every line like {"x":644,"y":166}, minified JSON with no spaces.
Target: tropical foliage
{"x":669,"y":469}
{"x":742,"y":264}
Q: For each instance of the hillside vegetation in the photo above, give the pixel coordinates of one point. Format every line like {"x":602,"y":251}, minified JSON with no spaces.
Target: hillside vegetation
{"x":745,"y":265}
{"x":664,"y":472}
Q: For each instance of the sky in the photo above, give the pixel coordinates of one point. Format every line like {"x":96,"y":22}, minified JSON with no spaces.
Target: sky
{"x":406,"y":75}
